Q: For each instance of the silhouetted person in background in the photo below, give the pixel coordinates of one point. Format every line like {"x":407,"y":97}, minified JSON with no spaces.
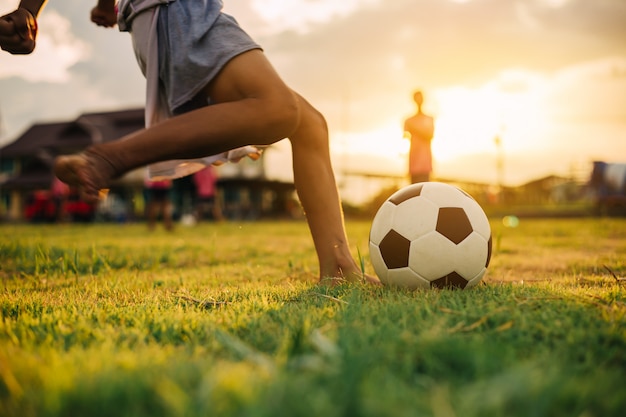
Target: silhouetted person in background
{"x":158,"y":195}
{"x":205,"y":181}
{"x":420,"y":129}
{"x":60,"y":193}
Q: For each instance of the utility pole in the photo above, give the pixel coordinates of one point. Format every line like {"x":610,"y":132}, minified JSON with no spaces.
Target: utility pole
{"x":1,"y":127}
{"x":499,"y":163}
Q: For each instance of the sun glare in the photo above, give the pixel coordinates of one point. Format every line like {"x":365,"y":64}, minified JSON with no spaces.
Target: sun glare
{"x":386,"y":141}
{"x":467,"y":123}
{"x":469,"y":120}
{"x":505,"y":115}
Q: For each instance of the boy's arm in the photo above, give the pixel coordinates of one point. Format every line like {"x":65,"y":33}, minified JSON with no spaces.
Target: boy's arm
{"x":18,"y":30}
{"x":105,"y":13}
{"x":33,"y":6}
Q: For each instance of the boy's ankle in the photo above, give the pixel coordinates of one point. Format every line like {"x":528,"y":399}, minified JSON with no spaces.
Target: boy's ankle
{"x":107,"y":167}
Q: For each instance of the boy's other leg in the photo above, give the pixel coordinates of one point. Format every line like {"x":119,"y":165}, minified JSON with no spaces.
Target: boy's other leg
{"x":317,"y":189}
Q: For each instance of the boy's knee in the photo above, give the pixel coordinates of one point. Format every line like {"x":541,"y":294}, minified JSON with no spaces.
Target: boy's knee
{"x":291,"y":107}
{"x":312,"y":122}
{"x":319,"y":120}
{"x":283,"y":114}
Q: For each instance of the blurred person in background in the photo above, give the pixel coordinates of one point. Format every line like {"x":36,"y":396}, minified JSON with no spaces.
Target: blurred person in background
{"x":205,"y":181}
{"x":159,"y":203}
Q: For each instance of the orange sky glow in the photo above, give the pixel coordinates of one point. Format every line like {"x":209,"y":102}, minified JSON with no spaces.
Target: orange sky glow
{"x":546,"y":76}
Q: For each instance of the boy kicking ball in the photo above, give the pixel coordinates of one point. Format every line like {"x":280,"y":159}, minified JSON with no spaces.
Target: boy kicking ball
{"x":212,"y":95}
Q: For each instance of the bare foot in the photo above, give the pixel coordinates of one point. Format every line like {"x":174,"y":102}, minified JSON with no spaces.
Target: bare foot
{"x":87,"y":171}
{"x":353,"y":276}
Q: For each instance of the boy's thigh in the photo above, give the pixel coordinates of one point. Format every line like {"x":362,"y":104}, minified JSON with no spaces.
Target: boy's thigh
{"x":247,"y":75}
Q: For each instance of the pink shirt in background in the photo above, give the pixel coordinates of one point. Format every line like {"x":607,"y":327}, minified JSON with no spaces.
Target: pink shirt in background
{"x":205,"y":180}
{"x":158,"y":185}
{"x":59,"y":188}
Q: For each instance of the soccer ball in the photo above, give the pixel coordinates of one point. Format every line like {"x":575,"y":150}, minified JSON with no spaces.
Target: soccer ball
{"x":430,"y":235}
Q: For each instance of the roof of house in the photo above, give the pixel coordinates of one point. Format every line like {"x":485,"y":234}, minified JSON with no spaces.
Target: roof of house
{"x":109,"y":126}
{"x":42,"y":142}
{"x":36,"y":137}
{"x":69,"y":137}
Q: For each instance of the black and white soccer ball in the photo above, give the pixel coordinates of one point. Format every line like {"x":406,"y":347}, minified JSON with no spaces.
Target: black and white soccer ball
{"x":430,"y":235}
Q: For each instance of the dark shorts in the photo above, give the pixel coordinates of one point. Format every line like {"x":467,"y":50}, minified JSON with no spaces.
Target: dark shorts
{"x":159,"y":194}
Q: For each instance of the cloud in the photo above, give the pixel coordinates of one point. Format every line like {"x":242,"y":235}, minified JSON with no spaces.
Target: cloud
{"x":300,"y":15}
{"x":75,"y":69}
{"x":589,"y":92}
{"x":57,"y":51}
{"x":554,"y":3}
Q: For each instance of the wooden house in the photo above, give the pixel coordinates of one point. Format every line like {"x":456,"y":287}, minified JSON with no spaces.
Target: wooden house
{"x":26,"y":171}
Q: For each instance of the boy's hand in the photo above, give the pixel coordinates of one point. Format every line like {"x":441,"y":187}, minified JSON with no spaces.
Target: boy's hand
{"x":18,"y":31}
{"x":104,"y":16}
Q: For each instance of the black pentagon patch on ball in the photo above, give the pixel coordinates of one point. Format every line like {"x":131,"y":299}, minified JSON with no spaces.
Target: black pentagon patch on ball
{"x":452,"y":280}
{"x":452,"y":222}
{"x":406,"y":193}
{"x":489,"y":244}
{"x":394,"y":249}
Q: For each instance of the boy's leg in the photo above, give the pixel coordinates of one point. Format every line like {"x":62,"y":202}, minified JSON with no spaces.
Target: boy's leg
{"x":317,"y":189}
{"x":253,"y":106}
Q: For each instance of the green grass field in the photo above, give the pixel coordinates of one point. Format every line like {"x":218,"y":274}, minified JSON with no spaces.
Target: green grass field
{"x":227,"y":320}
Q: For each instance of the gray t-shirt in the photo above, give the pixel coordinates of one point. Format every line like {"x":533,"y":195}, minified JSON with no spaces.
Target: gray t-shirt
{"x":128,"y":9}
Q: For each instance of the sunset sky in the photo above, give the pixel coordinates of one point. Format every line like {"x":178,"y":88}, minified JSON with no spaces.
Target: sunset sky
{"x":546,"y":76}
